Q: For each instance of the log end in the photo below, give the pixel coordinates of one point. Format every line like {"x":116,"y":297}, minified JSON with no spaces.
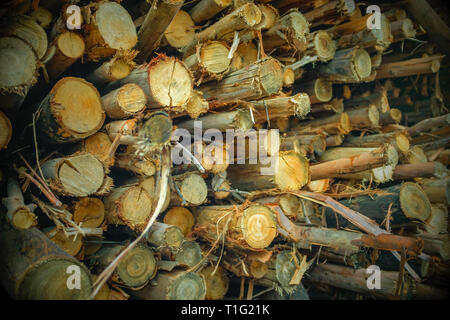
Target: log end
{"x":180,"y":217}
{"x":414,"y":202}
{"x":137,"y":267}
{"x":258,"y":225}
{"x":292,"y":171}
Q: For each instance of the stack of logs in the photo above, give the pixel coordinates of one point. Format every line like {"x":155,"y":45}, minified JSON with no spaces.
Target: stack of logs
{"x":357,"y":129}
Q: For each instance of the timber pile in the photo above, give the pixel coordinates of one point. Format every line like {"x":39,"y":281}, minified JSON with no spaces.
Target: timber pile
{"x":87,"y":124}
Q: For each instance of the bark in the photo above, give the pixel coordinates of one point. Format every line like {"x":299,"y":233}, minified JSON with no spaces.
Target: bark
{"x":398,"y":139}
{"x":117,"y":68}
{"x":20,"y":216}
{"x":281,"y":107}
{"x":420,"y":170}
{"x":156,"y":21}
{"x":39,"y":271}
{"x":207,"y":9}
{"x":409,"y":67}
{"x":331,"y":125}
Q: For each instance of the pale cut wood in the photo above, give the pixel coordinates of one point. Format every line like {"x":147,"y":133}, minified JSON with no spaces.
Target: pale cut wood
{"x":320,"y":45}
{"x":195,"y":106}
{"x":189,"y":189}
{"x":20,"y":216}
{"x":207,"y":9}
{"x":166,"y":81}
{"x":109,"y":29}
{"x":69,"y":47}
{"x":245,"y":54}
{"x":331,"y":125}
{"x":393,"y":116}
{"x":118,"y":67}
{"x":71,"y":111}
{"x":309,"y":144}
{"x":126,"y":101}
{"x":238,"y":119}
{"x":437,"y":190}
{"x":290,"y":29}
{"x":254,"y":227}
{"x":319,"y":90}
{"x":280,"y":107}
{"x":98,"y":145}
{"x":164,"y":235}
{"x":156,"y":21}
{"x":364,"y":118}
{"x":181,"y":30}
{"x":398,"y":139}
{"x":291,"y":173}
{"x":210,"y":61}
{"x":336,"y":105}
{"x":129,"y":162}
{"x":180,"y":217}
{"x":69,"y":244}
{"x":78,"y":175}
{"x":402,"y":29}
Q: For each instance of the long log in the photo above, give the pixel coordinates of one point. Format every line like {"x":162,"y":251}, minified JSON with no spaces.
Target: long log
{"x":156,"y":21}
{"x":399,"y":140}
{"x":420,"y":170}
{"x":19,"y":215}
{"x":338,"y":123}
{"x":40,"y":271}
{"x":409,"y":203}
{"x":281,"y":107}
{"x":409,"y":67}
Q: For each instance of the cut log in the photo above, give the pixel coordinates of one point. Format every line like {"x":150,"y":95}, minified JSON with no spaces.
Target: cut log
{"x":351,"y":65}
{"x":319,"y":90}
{"x":290,"y":29}
{"x":78,"y":175}
{"x":42,"y":16}
{"x":255,"y":81}
{"x":254,"y":227}
{"x":164,"y":235}
{"x":189,"y":189}
{"x":207,"y":9}
{"x":393,"y":116}
{"x":320,"y":45}
{"x":245,"y":54}
{"x":130,"y":205}
{"x":175,"y":285}
{"x":156,"y":21}
{"x":209,"y":62}
{"x":377,"y":98}
{"x":375,"y":158}
{"x":40,"y":272}
{"x":336,"y":105}
{"x":438,"y":222}
{"x":188,"y":255}
{"x":291,"y":173}
{"x":402,"y":29}
{"x":143,"y":167}
{"x":364,"y":118}
{"x":18,"y":69}
{"x":28,"y":30}
{"x":437,"y":190}
{"x":420,"y":170}
{"x":281,"y":107}
{"x":338,"y":123}
{"x":135,"y":270}
{"x":70,"y":244}
{"x":124,"y":102}
{"x":355,"y":280}
{"x":71,"y":111}
{"x":166,"y":81}
{"x":195,"y":106}
{"x":5,"y":131}
{"x":309,"y":144}
{"x":332,"y":12}
{"x":238,"y":119}
{"x":321,"y":185}
{"x":334,"y":141}
{"x":377,"y":38}
{"x":117,"y":68}
{"x":429,"y":124}
{"x":89,"y":211}
{"x":216,"y":282}
{"x":399,"y":140}
{"x":69,"y":47}
{"x":180,"y":217}
{"x":244,"y":17}
{"x":109,"y":29}
{"x":19,"y":215}
{"x":409,"y":203}
{"x":409,"y":67}
{"x":181,"y":30}
{"x":98,"y":145}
